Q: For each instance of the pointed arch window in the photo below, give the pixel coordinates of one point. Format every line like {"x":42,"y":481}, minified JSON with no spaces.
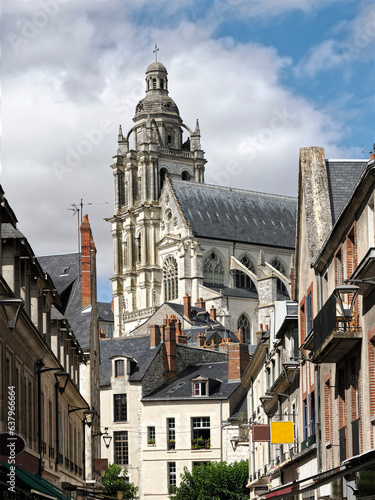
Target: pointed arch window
{"x":170,"y":277}
{"x":244,"y":323}
{"x":213,"y":271}
{"x":242,"y":279}
{"x":277,"y":264}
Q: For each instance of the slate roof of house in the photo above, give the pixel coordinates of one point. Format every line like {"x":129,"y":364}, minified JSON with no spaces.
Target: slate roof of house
{"x":237,"y":215}
{"x":343,"y":176}
{"x":200,"y":317}
{"x":54,"y":265}
{"x":240,"y":410}
{"x":180,"y":388}
{"x":105,"y":312}
{"x":137,"y":347}
{"x":69,"y":288}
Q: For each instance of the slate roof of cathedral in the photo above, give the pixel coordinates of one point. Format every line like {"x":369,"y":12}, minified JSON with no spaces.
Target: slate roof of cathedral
{"x":237,"y":215}
{"x":343,"y":176}
{"x":180,"y":387}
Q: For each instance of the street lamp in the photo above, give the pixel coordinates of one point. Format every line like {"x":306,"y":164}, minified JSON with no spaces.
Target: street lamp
{"x":106,"y":437}
{"x":346,"y":308}
{"x":266,"y":402}
{"x":290,"y":367}
{"x":60,"y":377}
{"x":11,"y":315}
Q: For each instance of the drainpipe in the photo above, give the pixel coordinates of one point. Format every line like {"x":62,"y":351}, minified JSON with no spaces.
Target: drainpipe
{"x":317,"y":395}
{"x":221,"y":430}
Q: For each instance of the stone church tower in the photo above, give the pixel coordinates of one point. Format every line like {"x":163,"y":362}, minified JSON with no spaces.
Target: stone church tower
{"x":158,"y":151}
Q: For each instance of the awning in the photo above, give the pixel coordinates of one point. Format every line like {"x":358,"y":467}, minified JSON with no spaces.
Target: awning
{"x":351,"y":465}
{"x":36,"y":484}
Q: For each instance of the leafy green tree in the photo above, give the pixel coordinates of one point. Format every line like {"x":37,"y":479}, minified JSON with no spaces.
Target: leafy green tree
{"x":114,"y":481}
{"x":214,"y":481}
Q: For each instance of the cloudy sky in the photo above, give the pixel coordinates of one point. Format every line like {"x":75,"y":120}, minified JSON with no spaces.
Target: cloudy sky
{"x":264,"y":77}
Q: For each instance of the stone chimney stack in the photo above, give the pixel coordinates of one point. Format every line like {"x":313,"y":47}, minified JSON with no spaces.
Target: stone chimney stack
{"x":155,"y":336}
{"x":88,"y":263}
{"x":187,"y":306}
{"x":170,"y":349}
{"x":213,"y":313}
{"x":238,"y":359}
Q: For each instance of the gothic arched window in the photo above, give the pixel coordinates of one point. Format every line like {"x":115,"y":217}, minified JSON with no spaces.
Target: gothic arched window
{"x":170,"y":277}
{"x":277,"y":264}
{"x":213,"y":271}
{"x":244,"y":323}
{"x":242,"y":279}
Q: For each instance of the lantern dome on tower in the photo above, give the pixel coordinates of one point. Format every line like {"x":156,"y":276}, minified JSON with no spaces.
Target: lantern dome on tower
{"x":157,"y":100}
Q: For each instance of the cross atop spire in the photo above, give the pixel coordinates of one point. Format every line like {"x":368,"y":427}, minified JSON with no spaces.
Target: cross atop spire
{"x":156,"y":52}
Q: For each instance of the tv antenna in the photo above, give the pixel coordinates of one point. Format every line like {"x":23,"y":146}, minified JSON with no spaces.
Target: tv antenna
{"x":368,"y":152}
{"x":77,"y":209}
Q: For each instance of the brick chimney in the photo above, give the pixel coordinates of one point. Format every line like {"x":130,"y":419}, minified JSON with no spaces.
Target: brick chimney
{"x":213,"y":312}
{"x":155,"y":336}
{"x":88,"y":263}
{"x":200,"y":303}
{"x":170,"y":350}
{"x":238,"y":359}
{"x":187,"y":306}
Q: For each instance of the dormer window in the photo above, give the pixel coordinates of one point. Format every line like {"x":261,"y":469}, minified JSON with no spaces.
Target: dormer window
{"x":200,"y":387}
{"x":119,"y":368}
{"x":65,"y":271}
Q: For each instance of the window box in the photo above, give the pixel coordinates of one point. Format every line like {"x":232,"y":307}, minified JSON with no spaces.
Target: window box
{"x":200,"y":444}
{"x":151,"y":442}
{"x":171,"y":444}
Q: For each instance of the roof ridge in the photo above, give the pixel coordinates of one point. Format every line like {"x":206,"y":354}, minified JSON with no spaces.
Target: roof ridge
{"x":231,"y":189}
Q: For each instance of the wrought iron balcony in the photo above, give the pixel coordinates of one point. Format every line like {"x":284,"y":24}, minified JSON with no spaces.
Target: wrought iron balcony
{"x":333,"y":335}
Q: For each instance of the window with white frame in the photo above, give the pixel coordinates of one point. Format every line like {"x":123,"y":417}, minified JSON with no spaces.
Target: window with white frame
{"x":172,"y":477}
{"x":151,"y":435}
{"x":201,"y":433}
{"x":199,"y":386}
{"x":171,"y":430}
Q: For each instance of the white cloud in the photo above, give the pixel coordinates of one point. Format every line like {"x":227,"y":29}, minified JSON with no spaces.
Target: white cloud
{"x":67,"y":89}
{"x":353,"y":41}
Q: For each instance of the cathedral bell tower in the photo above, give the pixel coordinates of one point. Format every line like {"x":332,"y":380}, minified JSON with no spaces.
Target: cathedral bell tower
{"x":159,"y":151}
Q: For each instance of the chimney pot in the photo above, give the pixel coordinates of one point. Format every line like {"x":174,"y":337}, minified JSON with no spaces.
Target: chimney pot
{"x":187,"y":306}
